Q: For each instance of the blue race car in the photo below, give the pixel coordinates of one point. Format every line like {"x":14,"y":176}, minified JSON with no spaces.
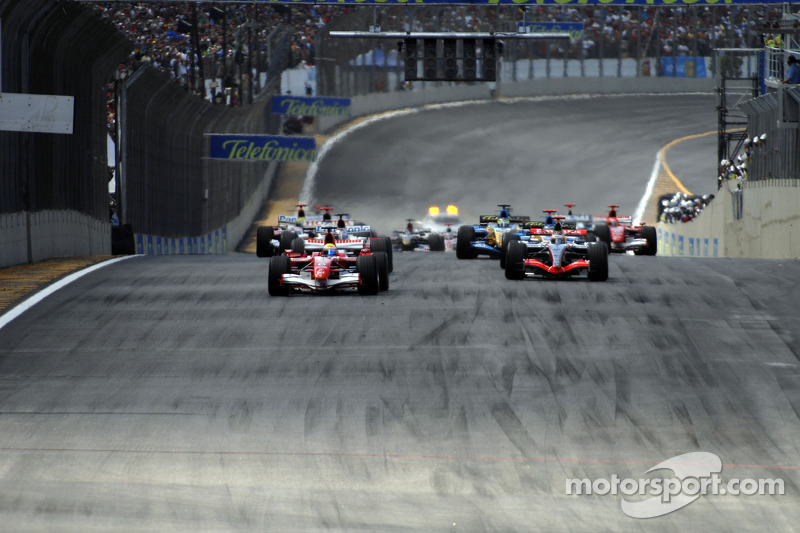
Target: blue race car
{"x":491,"y":235}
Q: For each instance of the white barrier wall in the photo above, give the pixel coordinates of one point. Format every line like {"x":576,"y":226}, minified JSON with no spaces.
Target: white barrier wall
{"x":379,"y":102}
{"x":52,"y":234}
{"x":761,"y":221}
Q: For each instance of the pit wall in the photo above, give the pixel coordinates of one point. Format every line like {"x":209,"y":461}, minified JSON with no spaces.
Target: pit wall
{"x":51,"y":234}
{"x":757,"y":222}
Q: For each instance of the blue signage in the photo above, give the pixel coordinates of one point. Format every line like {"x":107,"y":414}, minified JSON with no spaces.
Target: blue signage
{"x":687,"y":67}
{"x":310,"y":106}
{"x":261,"y":147}
{"x":575,"y":29}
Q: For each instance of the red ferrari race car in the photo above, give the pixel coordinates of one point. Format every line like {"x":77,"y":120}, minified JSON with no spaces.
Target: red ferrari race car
{"x":328,"y":270}
{"x":620,"y":235}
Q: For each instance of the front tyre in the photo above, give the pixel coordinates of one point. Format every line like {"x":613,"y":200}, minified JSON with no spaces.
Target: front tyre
{"x":507,"y":238}
{"x":436,"y":242}
{"x":466,"y":234}
{"x":598,"y":262}
{"x":649,"y":234}
{"x":278,"y":266}
{"x":264,"y":236}
{"x":515,"y":260}
{"x":367,"y":269}
{"x":603,"y":235}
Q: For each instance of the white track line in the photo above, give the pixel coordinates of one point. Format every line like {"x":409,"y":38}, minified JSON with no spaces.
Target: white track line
{"x":50,"y":289}
{"x":648,"y":192}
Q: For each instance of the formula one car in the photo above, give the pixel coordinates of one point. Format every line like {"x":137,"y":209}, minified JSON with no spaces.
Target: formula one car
{"x":620,"y":235}
{"x":328,"y":270}
{"x":437,"y":217}
{"x":557,"y":257}
{"x":492,"y":235}
{"x":344,"y":242}
{"x":417,"y":238}
{"x":271,"y":240}
{"x":546,"y":228}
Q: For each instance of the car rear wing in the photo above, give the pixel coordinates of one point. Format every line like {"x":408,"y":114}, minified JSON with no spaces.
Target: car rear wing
{"x":491,"y":219}
{"x":626,"y":220}
{"x":536,"y":224}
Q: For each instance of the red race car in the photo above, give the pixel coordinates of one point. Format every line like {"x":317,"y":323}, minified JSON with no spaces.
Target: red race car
{"x":620,"y":235}
{"x":328,"y":270}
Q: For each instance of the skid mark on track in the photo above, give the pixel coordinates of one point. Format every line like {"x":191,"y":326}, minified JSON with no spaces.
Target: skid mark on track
{"x":511,"y":425}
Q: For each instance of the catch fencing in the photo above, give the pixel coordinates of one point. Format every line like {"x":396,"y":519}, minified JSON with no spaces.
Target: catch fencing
{"x":58,"y":49}
{"x":617,"y":42}
{"x":777,"y":155}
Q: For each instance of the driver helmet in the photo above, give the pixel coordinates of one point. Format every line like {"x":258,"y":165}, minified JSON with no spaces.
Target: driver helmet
{"x":613,"y":221}
{"x":502,"y":222}
{"x":329,"y":250}
{"x":558,"y":238}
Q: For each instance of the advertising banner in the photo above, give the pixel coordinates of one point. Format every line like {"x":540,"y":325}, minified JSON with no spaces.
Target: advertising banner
{"x":310,"y":106}
{"x":261,"y":147}
{"x":575,"y":29}
{"x":683,"y":67}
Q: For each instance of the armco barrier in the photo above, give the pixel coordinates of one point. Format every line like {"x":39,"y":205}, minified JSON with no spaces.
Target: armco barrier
{"x":768,"y":227}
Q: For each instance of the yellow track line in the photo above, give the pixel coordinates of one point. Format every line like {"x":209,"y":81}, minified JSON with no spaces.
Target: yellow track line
{"x":669,"y":145}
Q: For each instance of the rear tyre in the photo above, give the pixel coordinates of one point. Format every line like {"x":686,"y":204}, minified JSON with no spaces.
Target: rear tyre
{"x":466,"y":234}
{"x":383,"y":270}
{"x":436,"y":242}
{"x":367,"y":269}
{"x":286,"y":240}
{"x":515,"y":260}
{"x":278,"y":266}
{"x":299,"y":246}
{"x":507,"y":238}
{"x":264,"y":236}
{"x":598,"y":262}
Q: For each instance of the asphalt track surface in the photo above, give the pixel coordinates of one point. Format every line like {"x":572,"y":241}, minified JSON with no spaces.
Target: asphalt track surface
{"x":534,"y":154}
{"x":174,"y":394}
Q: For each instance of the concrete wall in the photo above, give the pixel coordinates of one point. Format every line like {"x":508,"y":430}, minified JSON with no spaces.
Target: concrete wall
{"x":52,"y":234}
{"x":218,"y":241}
{"x":768,"y":227}
{"x":379,"y":102}
{"x":69,"y":233}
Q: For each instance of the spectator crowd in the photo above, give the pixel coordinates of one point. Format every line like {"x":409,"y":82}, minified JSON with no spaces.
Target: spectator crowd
{"x":162,"y":32}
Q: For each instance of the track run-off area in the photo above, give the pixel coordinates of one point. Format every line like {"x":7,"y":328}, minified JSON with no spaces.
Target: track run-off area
{"x":173,"y":393}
